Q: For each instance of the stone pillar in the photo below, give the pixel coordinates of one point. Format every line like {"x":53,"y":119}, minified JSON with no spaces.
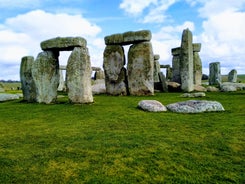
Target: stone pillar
{"x":45,"y":72}
{"x":140,"y":69}
{"x":27,"y":82}
{"x":156,"y":68}
{"x":99,"y":75}
{"x":197,"y":64}
{"x":78,"y":76}
{"x":232,"y":76}
{"x":115,"y":74}
{"x":176,"y":65}
{"x":186,"y":61}
{"x":214,"y":73}
{"x":61,"y":86}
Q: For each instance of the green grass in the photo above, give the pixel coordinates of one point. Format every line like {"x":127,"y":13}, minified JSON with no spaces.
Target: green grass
{"x":111,"y":141}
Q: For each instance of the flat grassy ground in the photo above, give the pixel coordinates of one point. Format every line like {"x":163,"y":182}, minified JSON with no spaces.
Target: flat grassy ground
{"x":111,"y":141}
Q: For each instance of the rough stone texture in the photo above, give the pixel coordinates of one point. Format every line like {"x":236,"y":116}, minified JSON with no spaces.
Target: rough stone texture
{"x":199,"y":88}
{"x":99,"y":87}
{"x":61,"y":86}
{"x":197,"y":68}
{"x":63,"y":43}
{"x":27,"y":82}
{"x":45,"y":72}
{"x":115,"y":73}
{"x":212,"y":89}
{"x":230,"y":86}
{"x":99,"y":75}
{"x":195,"y":106}
{"x":163,"y":82}
{"x":193,"y":95}
{"x":6,"y":97}
{"x":156,"y":71}
{"x":78,"y":76}
{"x":156,"y":57}
{"x":151,"y":105}
{"x":129,"y":37}
{"x":196,"y":47}
{"x":232,"y":76}
{"x":140,"y":69}
{"x":176,"y":65}
{"x":173,"y":86}
{"x":186,"y":61}
{"x":214,"y":74}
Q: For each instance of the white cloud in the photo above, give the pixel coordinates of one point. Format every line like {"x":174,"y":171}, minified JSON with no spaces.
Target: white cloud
{"x":21,"y":35}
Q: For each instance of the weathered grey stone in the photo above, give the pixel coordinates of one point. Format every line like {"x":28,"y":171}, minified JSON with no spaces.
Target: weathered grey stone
{"x":99,"y":87}
{"x":78,"y":76}
{"x":196,"y":47}
{"x":173,"y":86}
{"x":231,"y":86}
{"x":6,"y":97}
{"x":214,"y":73}
{"x":163,"y":82}
{"x":186,"y":61}
{"x":45,"y":72}
{"x":156,"y":71}
{"x":232,"y":76}
{"x":140,"y":69}
{"x":193,"y":95}
{"x":156,"y":57}
{"x":115,"y":74}
{"x":151,"y":105}
{"x":127,"y":38}
{"x":199,"y":88}
{"x":176,"y":51}
{"x":212,"y":89}
{"x":197,"y":68}
{"x":27,"y":82}
{"x":62,"y":67}
{"x":195,"y":106}
{"x":63,"y":43}
{"x":99,"y":75}
{"x":176,"y":69}
{"x":61,"y":86}
{"x":94,"y":68}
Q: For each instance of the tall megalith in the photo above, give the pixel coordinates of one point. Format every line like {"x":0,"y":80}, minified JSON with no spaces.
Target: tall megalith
{"x":186,"y":62}
{"x":78,"y":76}
{"x":140,"y":69}
{"x":197,"y":64}
{"x":45,"y":72}
{"x":115,"y":73}
{"x":27,"y":82}
{"x":214,"y":73}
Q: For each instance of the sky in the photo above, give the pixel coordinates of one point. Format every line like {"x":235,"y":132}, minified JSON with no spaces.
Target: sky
{"x":219,"y":25}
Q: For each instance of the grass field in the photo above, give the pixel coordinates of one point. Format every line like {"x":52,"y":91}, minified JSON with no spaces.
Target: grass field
{"x":111,"y":141}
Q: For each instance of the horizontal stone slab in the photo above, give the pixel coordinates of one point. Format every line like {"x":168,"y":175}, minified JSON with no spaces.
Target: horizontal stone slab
{"x":63,"y":43}
{"x":196,"y":47}
{"x":176,"y":51}
{"x":156,"y":57}
{"x":129,"y":37}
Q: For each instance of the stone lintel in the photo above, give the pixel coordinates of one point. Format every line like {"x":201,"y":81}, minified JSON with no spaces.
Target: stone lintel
{"x":129,"y":37}
{"x":62,"y":67}
{"x":196,"y":47}
{"x":176,"y":51}
{"x":63,"y":43}
{"x":96,"y":69}
{"x":156,"y":56}
{"x":164,"y":66}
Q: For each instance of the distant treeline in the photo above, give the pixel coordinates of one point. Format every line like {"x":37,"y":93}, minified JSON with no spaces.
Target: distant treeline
{"x":9,"y":81}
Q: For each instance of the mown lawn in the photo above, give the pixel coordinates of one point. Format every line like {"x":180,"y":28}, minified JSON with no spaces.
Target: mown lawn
{"x":111,"y":141}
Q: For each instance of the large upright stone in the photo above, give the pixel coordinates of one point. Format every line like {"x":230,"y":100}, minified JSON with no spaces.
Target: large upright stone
{"x":61,"y":86}
{"x":186,"y":61}
{"x":45,"y":72}
{"x":176,"y":65}
{"x":78,"y":76}
{"x":232,"y":76}
{"x":63,"y":43}
{"x":197,"y":64}
{"x":214,"y":73}
{"x":115,"y":74}
{"x":157,"y":68}
{"x":27,"y":82}
{"x":140,"y":69}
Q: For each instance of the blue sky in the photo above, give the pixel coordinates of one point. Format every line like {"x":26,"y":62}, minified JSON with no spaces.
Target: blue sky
{"x":218,"y":24}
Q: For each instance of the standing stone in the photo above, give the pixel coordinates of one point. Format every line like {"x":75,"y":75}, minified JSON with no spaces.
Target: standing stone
{"x":176,"y":65}
{"x":45,"y":72}
{"x":214,"y":73}
{"x":157,"y":68}
{"x":99,"y":75}
{"x":232,"y":76}
{"x":140,"y":69}
{"x":61,"y":86}
{"x":27,"y":82}
{"x":197,"y":64}
{"x":163,"y":82}
{"x":78,"y":76}
{"x":115,"y":74}
{"x":186,"y":61}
